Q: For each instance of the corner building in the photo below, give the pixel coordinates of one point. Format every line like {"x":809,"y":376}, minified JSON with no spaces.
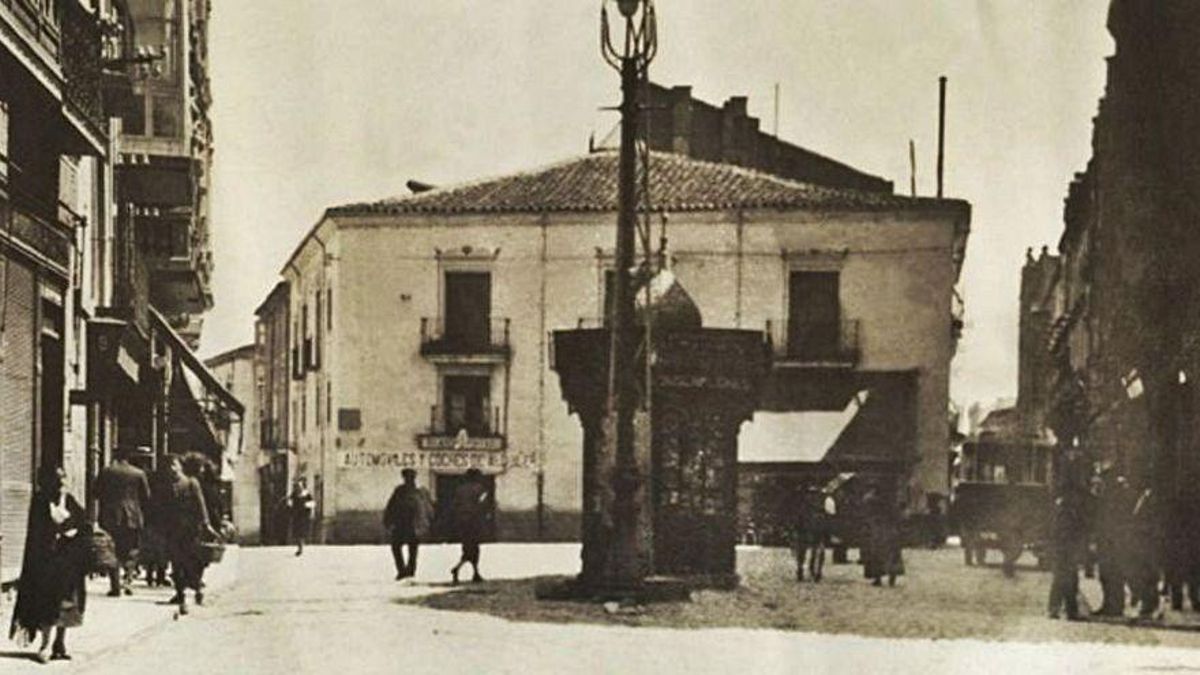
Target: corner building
{"x":419,"y":325}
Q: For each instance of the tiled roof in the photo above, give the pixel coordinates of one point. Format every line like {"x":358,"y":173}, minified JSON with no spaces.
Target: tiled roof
{"x":677,"y":183}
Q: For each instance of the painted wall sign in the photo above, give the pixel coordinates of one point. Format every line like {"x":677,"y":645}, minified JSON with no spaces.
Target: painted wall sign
{"x":449,"y":461}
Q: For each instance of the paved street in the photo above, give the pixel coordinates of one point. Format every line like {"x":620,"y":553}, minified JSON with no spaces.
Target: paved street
{"x":336,"y":609}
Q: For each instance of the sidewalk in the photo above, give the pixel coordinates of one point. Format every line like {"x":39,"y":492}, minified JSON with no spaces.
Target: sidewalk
{"x":112,"y":624}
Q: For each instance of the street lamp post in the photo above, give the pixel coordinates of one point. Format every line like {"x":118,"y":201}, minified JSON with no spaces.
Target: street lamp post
{"x":631,"y":58}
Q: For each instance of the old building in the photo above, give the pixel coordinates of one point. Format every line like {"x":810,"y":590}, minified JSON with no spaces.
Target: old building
{"x":1122,"y":347}
{"x":276,"y":445}
{"x":419,"y":325}
{"x":236,"y":370}
{"x":55,"y":150}
{"x":99,"y":247}
{"x":679,"y":123}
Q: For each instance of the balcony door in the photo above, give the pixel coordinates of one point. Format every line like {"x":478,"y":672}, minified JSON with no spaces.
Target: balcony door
{"x":466,"y":399}
{"x":814,"y":314}
{"x":468,"y":309}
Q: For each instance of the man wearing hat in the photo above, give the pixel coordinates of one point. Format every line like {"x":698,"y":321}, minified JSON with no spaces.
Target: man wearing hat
{"x":124,"y":493}
{"x":407,"y":516}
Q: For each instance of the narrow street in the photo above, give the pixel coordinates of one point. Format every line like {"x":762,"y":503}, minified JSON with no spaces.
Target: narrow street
{"x":336,"y":609}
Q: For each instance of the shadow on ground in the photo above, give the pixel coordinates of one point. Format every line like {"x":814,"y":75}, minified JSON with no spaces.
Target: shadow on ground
{"x":939,"y":598}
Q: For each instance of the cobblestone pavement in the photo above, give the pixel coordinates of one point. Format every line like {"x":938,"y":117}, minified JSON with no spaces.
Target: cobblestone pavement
{"x":337,"y":610}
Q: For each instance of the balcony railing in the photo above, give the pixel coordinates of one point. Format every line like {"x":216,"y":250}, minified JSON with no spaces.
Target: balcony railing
{"x":486,"y":337}
{"x":816,"y":343}
{"x":483,"y":433}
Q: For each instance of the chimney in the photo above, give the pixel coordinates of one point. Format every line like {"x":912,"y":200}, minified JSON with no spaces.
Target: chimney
{"x":736,"y":105}
{"x":681,"y":120}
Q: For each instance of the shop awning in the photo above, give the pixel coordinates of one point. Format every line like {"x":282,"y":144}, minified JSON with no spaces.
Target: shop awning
{"x":206,"y":380}
{"x":795,"y":436}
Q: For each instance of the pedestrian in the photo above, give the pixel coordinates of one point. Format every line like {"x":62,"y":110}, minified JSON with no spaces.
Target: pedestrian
{"x":407,"y":517}
{"x":1145,"y":560}
{"x":470,"y":514}
{"x":154,"y":554}
{"x":1114,"y":530}
{"x":124,"y":495}
{"x":51,"y":593}
{"x":881,"y":553}
{"x":815,"y":513}
{"x":1069,"y":541}
{"x":300,"y":509}
{"x":186,"y":523}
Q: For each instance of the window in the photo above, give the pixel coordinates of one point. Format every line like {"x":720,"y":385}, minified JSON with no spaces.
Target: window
{"x":318,"y":330}
{"x":328,"y":402}
{"x":466,"y":402}
{"x":167,"y":115}
{"x":468,"y":309}
{"x":814,"y":314}
{"x":329,"y":309}
{"x":349,"y":419}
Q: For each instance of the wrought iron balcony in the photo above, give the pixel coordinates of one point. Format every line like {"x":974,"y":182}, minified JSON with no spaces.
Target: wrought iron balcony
{"x":815,"y":343}
{"x":481,"y":433}
{"x":479,"y":338}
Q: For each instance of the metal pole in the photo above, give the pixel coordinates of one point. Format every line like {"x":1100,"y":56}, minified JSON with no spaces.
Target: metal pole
{"x":941,"y":156}
{"x":622,"y":391}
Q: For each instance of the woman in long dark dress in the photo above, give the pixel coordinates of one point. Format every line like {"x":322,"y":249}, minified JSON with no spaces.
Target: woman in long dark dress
{"x":882,"y":553}
{"x":51,"y":594}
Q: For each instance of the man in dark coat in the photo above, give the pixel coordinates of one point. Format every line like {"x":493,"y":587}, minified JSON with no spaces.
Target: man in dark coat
{"x":186,"y":521}
{"x":124,"y":494}
{"x":1069,"y":542}
{"x":1114,"y":531}
{"x":1146,"y":570}
{"x":470,"y":518}
{"x":407,"y":517}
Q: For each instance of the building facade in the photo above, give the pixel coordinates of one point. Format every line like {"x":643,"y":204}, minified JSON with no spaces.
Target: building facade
{"x":237,"y":372}
{"x":88,"y":357}
{"x":276,"y":445}
{"x":1122,"y":347}
{"x":419,"y":326}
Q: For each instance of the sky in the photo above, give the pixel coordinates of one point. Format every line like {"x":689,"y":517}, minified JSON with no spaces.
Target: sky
{"x":321,"y":103}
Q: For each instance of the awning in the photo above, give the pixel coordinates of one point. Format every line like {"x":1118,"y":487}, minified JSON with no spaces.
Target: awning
{"x":209,"y":383}
{"x":795,"y":436}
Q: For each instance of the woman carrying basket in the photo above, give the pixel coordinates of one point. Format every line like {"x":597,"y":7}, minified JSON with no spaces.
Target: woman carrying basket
{"x":186,"y":520}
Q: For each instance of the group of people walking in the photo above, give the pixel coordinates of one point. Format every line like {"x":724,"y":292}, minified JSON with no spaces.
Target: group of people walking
{"x":1102,"y":523}
{"x":63,"y":546}
{"x":879,"y":533}
{"x":409,"y":517}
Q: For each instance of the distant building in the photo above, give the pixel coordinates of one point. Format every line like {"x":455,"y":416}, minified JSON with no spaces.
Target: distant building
{"x":276,"y":445}
{"x":418,"y":326}
{"x":236,"y":371}
{"x":681,"y":124}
